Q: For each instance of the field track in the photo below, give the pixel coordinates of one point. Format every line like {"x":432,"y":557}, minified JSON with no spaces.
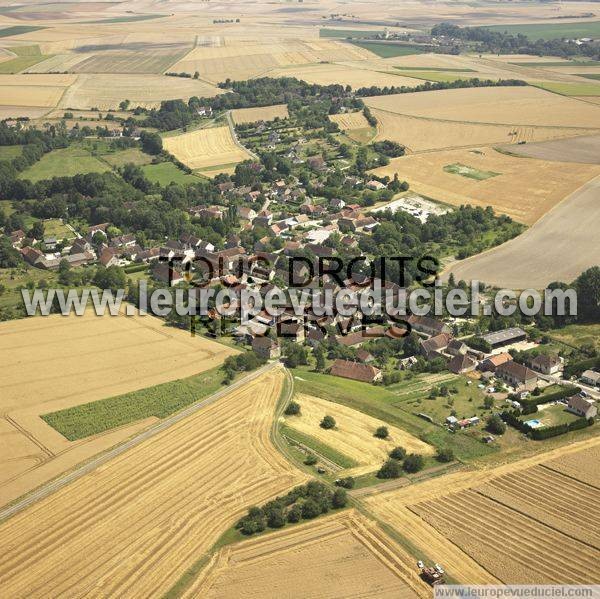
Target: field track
{"x":136,"y":524}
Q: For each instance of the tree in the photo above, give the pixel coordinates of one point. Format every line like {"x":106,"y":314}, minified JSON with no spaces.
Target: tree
{"x":398,"y":453}
{"x":112,"y":278}
{"x":151,"y":142}
{"x":276,"y":518}
{"x":587,"y":285}
{"x":339,"y":498}
{"x":9,"y":256}
{"x":295,"y":355}
{"x":382,"y":432}
{"x":124,"y":105}
{"x":390,"y":469}
{"x":37,"y":230}
{"x":496,"y":425}
{"x":311,"y":459}
{"x":319,"y":354}
{"x":488,"y":402}
{"x":292,"y":409}
{"x":310,"y":509}
{"x":328,"y":422}
{"x":444,"y":454}
{"x":347,"y":482}
{"x":413,"y":462}
{"x":294,"y":514}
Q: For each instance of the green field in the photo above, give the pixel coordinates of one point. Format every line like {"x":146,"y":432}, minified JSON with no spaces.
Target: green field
{"x":564,"y":63}
{"x":386,"y":50}
{"x":160,"y":401}
{"x":27,"y":56}
{"x":66,"y":162}
{"x":552,"y":31}
{"x":344,"y":33}
{"x":436,"y":69}
{"x":469,"y":172}
{"x":9,"y":152}
{"x":570,"y":89}
{"x":129,"y":19}
{"x":386,"y":405}
{"x":18,"y":30}
{"x":130,"y":155}
{"x":578,"y":335}
{"x":589,"y":75}
{"x":166,"y":172}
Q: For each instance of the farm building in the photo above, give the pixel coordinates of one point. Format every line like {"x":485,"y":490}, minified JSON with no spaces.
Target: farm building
{"x":582,"y":406}
{"x":490,"y":364}
{"x":427,"y":325}
{"x":517,"y":375}
{"x":505,"y":337}
{"x":461,"y":364}
{"x":355,"y":371}
{"x":591,"y":377}
{"x":265,"y":347}
{"x":432,"y":347}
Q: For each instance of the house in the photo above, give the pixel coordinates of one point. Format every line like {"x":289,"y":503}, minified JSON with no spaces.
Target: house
{"x":456,"y":348}
{"x":266,"y":348}
{"x":427,"y":325}
{"x":490,"y":364}
{"x":108,"y":257}
{"x":546,"y":364}
{"x":361,"y":336}
{"x":225,"y":187}
{"x":123,"y":241}
{"x":374,"y":185}
{"x":590,"y":377}
{"x":582,"y":406}
{"x":461,"y":364}
{"x":165,"y":274}
{"x":101,"y":228}
{"x":32,"y":256}
{"x":80,"y":245}
{"x":364,"y":356}
{"x":431,"y":348}
{"x":204,"y":111}
{"x":50,"y":243}
{"x":16,"y":238}
{"x":246,"y":213}
{"x":517,"y":375}
{"x":356,"y":371}
{"x":505,"y":337}
{"x":407,"y":363}
{"x":292,"y":330}
{"x":365,"y":225}
{"x":316,"y":163}
{"x":148,"y":255}
{"x":337,"y":203}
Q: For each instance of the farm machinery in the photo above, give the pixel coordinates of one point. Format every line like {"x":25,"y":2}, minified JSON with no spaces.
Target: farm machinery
{"x":432,"y":575}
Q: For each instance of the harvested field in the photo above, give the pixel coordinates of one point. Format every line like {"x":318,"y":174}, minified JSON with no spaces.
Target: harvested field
{"x":345,"y":547}
{"x":582,"y":466}
{"x":353,"y":435}
{"x":559,"y":247}
{"x":525,"y":188}
{"x":350,"y":120}
{"x":33,"y":112}
{"x":455,"y":552}
{"x":264,"y":113}
{"x":526,"y":106}
{"x":135,"y":525}
{"x":354,"y":75}
{"x":107,"y":91}
{"x":31,"y":95}
{"x":31,"y":386}
{"x":513,"y":547}
{"x":419,"y":134}
{"x":584,"y":149}
{"x":205,"y":148}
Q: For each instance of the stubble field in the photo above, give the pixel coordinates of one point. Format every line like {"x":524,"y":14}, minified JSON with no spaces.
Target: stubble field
{"x":205,"y":148}
{"x":350,"y":120}
{"x":353,"y":435}
{"x":525,"y":188}
{"x":302,"y":561}
{"x":55,"y":362}
{"x":521,"y":522}
{"x":263,"y":113}
{"x":135,"y":525}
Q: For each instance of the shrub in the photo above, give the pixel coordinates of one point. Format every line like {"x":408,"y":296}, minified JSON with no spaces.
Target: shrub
{"x":346,"y":483}
{"x":310,"y":509}
{"x":292,"y":409}
{"x":311,"y":459}
{"x":328,"y":422}
{"x":382,"y":432}
{"x":339,"y":499}
{"x":398,"y":453}
{"x":413,"y":462}
{"x":445,"y":454}
{"x":496,"y":425}
{"x":294,"y":514}
{"x":390,"y":469}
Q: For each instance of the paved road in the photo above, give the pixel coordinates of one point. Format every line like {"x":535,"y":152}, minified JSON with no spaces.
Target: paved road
{"x":59,"y":483}
{"x":558,"y":247}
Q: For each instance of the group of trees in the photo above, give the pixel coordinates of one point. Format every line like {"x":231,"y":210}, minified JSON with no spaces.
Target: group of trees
{"x":301,"y":503}
{"x":502,"y":42}
{"x":399,"y":461}
{"x":243,"y":362}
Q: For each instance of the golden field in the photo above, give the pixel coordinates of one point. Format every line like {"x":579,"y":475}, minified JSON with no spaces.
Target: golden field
{"x":353,"y":434}
{"x":264,"y":113}
{"x":350,"y":120}
{"x":345,"y":547}
{"x":205,"y":148}
{"x":135,"y":525}
{"x":524,"y":188}
{"x":57,"y":362}
{"x":480,"y":541}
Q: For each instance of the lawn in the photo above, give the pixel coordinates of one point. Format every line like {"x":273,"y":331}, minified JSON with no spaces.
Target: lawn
{"x":166,"y":172}
{"x":159,"y":401}
{"x":552,"y":415}
{"x":27,"y":56}
{"x":65,"y":162}
{"x":18,"y":30}
{"x":383,"y":403}
{"x":577,"y":335}
{"x":552,"y":31}
{"x":570,"y":89}
{"x":10,"y":152}
{"x":130,"y":155}
{"x":343,"y":33}
{"x":389,"y":50}
{"x":54,"y":227}
{"x":469,"y":172}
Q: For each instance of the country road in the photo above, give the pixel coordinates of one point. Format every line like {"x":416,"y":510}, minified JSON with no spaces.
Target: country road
{"x":58,"y":483}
